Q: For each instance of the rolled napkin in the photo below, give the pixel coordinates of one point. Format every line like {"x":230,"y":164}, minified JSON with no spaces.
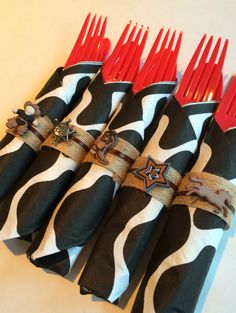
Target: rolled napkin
{"x":148,"y":188}
{"x":32,"y":200}
{"x":202,"y":209}
{"x":57,"y":98}
{"x":83,"y":206}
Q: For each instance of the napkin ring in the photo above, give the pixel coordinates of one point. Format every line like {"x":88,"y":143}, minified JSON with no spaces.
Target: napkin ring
{"x":113,"y":153}
{"x":156,"y":178}
{"x":29,"y":125}
{"x":70,"y":140}
{"x":108,"y":141}
{"x":209,"y":192}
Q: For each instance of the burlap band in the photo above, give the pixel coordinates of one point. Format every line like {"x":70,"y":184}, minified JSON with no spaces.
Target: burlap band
{"x":163,"y":194}
{"x":208,"y":192}
{"x":35,"y":135}
{"x":76,"y":148}
{"x":117,"y":159}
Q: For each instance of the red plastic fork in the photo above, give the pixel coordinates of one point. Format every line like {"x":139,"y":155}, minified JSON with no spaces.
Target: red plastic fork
{"x":158,"y":58}
{"x":116,"y":51}
{"x":171,"y":71}
{"x":124,"y":61}
{"x":216,"y":77}
{"x":160,"y":64}
{"x":90,"y":46}
{"x":136,"y":58}
{"x":204,"y":81}
{"x":225,"y":115}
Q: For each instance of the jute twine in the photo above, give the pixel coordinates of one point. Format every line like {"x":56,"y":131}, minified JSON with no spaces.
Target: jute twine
{"x":76,"y":148}
{"x":35,"y":135}
{"x":164,"y":195}
{"x":213,"y":186}
{"x":119,"y":158}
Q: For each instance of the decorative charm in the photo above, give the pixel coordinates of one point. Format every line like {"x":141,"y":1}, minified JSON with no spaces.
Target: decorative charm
{"x":221,"y":199}
{"x":108,"y":140}
{"x":62,"y":131}
{"x":153,"y":174}
{"x":25,"y":118}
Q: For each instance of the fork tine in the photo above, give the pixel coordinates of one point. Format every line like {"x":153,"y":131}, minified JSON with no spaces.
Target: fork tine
{"x":111,"y":59}
{"x":231,"y":98}
{"x":123,"y":53}
{"x":207,"y":72}
{"x":138,"y":35}
{"x":135,"y":61}
{"x":165,"y":59}
{"x":172,"y":66}
{"x":125,"y":47}
{"x":159,"y":57}
{"x":97,"y":37}
{"x":214,"y":84}
{"x":78,"y":42}
{"x":92,"y":45}
{"x":218,"y":92}
{"x":97,"y":28}
{"x":103,"y":30}
{"x":225,"y":115}
{"x":103,"y":50}
{"x":189,"y":70}
{"x":127,"y":61}
{"x":87,"y":39}
{"x":139,"y":78}
{"x":233,"y":113}
{"x":98,"y":53}
{"x":223,"y":54}
{"x":152,"y":52}
{"x":86,"y":44}
{"x":91,"y":28}
{"x":163,"y":45}
{"x":197,"y":74}
{"x":226,"y":104}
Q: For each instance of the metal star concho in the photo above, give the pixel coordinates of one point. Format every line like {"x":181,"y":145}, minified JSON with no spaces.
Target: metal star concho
{"x":62,"y":131}
{"x":153,"y":174}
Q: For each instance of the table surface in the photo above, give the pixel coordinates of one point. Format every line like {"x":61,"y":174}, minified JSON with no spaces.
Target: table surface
{"x":36,"y":37}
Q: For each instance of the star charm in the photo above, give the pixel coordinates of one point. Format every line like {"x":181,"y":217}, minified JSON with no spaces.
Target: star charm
{"x":62,"y":131}
{"x":153,"y":174}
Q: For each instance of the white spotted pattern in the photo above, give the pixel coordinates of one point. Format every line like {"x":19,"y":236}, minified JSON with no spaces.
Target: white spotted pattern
{"x":9,"y":230}
{"x":153,"y":146}
{"x":121,"y":275}
{"x":68,"y":88}
{"x":198,"y":239}
{"x":48,"y":243}
{"x":86,"y":100}
{"x":12,"y":146}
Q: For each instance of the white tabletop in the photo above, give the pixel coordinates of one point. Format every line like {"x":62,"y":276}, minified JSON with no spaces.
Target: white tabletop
{"x":36,"y":37}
